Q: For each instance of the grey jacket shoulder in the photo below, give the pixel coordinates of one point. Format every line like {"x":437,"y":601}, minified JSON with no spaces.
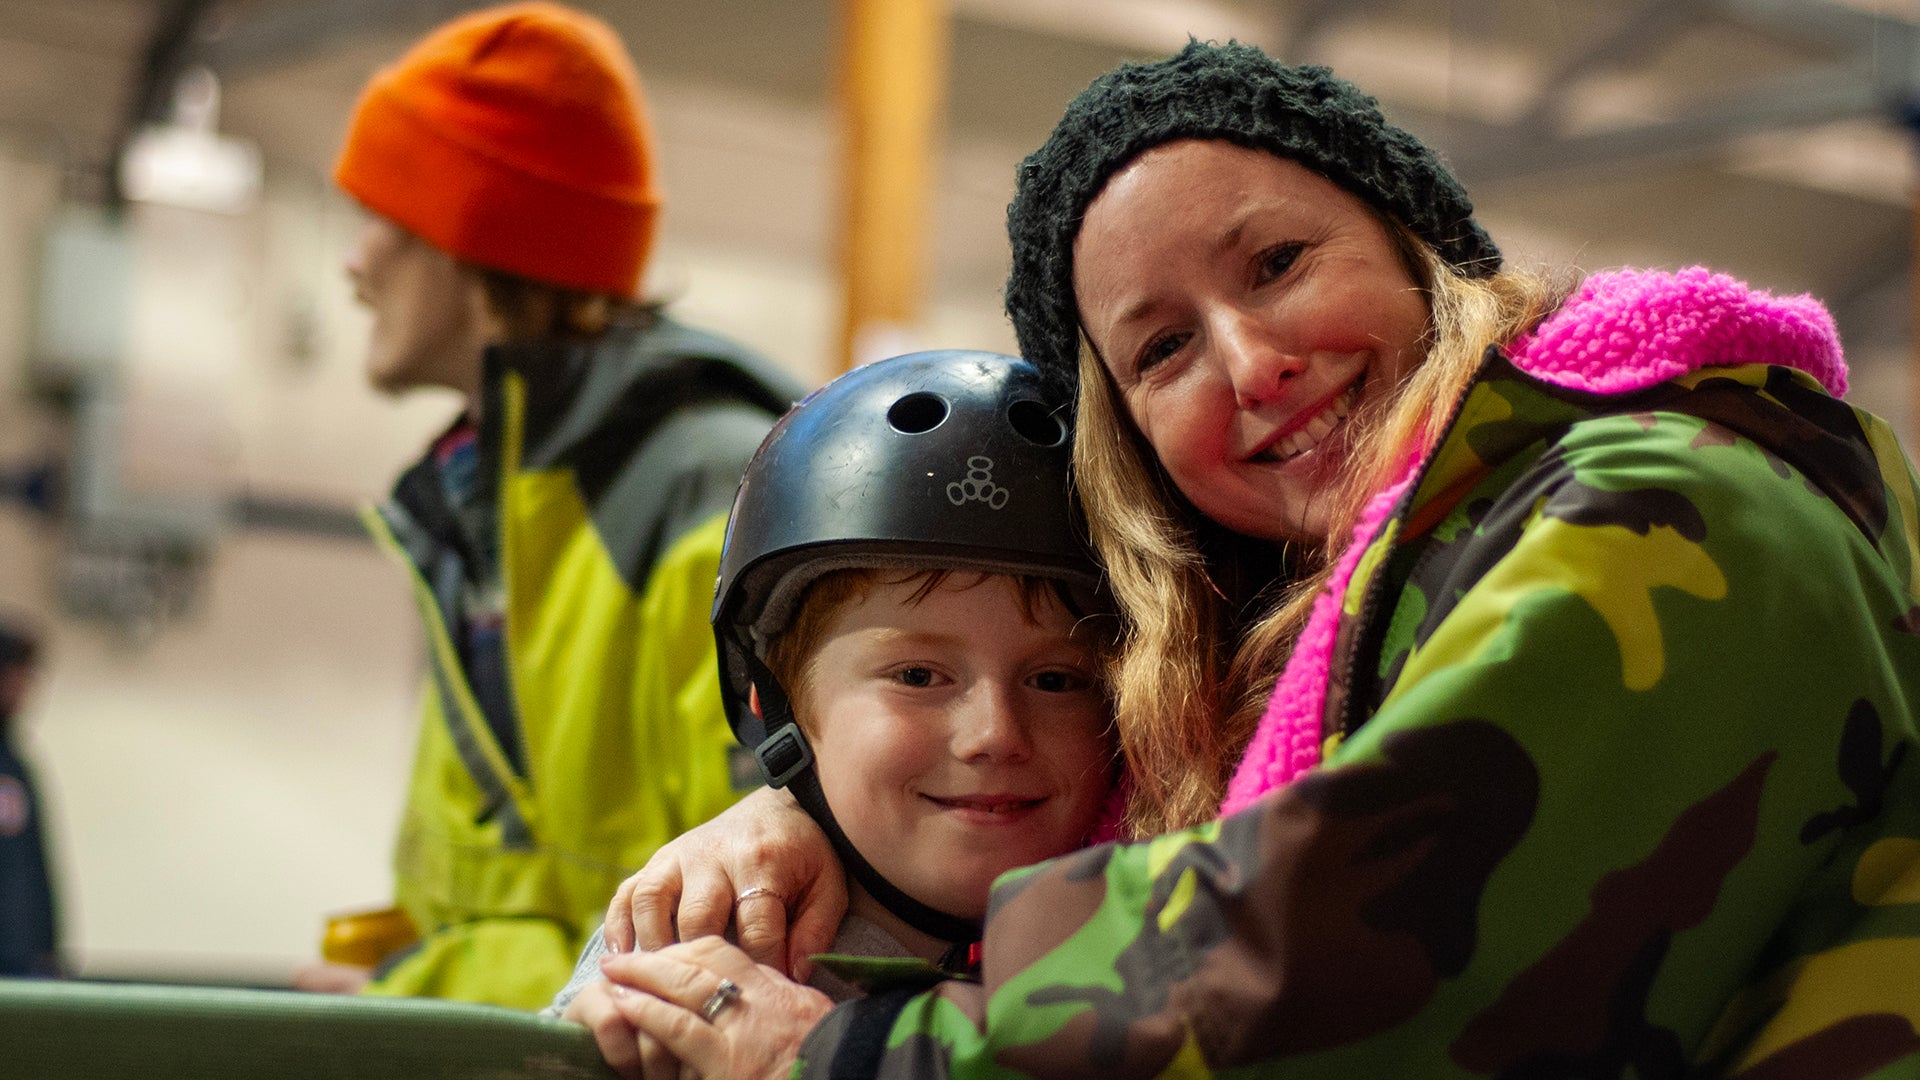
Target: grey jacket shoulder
{"x":857,"y":937}
{"x":656,"y":422}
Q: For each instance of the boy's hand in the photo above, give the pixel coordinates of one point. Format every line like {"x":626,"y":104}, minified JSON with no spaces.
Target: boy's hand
{"x":762,"y":865}
{"x":750,"y":1030}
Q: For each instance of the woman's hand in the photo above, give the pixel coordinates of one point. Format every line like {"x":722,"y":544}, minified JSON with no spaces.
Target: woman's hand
{"x":709,"y":1005}
{"x":629,"y":1051}
{"x":763,"y":865}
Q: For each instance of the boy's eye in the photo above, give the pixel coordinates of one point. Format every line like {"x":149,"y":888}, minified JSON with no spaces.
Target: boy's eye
{"x":1060,"y":682}
{"x":915,"y":676}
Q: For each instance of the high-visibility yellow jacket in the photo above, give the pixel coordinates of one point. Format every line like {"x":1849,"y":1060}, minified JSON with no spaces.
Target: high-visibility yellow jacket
{"x":613,"y":464}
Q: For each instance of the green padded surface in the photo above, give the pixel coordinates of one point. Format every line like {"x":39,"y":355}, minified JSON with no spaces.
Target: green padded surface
{"x":79,"y":1030}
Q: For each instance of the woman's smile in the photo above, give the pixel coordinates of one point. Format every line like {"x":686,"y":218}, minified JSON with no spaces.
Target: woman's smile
{"x":1308,"y":429}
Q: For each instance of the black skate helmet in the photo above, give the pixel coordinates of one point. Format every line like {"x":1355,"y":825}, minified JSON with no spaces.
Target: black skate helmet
{"x":933,"y":460}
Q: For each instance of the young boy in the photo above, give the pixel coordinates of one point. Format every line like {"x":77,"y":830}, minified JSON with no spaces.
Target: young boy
{"x":903,"y":619}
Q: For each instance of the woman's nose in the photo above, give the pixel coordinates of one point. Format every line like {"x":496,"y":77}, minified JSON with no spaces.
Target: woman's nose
{"x":1258,"y":367}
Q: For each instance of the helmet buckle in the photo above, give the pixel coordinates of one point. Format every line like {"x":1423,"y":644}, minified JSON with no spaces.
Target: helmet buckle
{"x":784,"y":755}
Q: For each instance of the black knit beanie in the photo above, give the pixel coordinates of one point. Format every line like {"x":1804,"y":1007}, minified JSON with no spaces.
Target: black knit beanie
{"x":1232,"y":92}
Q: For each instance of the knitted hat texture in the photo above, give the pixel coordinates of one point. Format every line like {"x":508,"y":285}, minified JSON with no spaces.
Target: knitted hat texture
{"x":1232,"y":92}
{"x":514,"y":138}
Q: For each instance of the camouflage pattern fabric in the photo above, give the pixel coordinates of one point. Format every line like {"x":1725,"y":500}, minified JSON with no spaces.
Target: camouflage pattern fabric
{"x":1621,"y":785}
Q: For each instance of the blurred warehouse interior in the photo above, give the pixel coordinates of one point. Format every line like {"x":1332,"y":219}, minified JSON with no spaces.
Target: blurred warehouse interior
{"x":223,"y":725}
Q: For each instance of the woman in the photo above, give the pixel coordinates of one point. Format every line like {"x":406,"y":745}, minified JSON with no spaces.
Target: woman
{"x":1589,"y":748}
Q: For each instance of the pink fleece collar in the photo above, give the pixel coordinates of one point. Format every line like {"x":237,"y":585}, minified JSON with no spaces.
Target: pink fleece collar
{"x":1628,"y":330}
{"x":1287,"y":742}
{"x":1622,"y":331}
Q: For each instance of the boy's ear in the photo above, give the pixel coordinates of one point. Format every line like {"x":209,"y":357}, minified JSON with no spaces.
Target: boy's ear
{"x":753,"y":701}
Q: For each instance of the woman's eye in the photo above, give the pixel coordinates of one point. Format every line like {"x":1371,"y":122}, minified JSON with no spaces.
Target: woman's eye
{"x":915,"y":676}
{"x":1277,"y":260}
{"x":1159,"y":349}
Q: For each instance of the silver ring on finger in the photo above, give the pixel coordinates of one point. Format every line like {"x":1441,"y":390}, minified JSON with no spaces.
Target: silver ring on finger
{"x":758,"y":890}
{"x":723,"y":995}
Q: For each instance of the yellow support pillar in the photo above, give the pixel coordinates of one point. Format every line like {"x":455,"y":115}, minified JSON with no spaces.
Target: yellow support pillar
{"x":892,"y":85}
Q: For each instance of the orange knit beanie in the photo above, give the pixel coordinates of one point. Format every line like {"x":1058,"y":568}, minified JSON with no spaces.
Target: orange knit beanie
{"x":513,"y":138}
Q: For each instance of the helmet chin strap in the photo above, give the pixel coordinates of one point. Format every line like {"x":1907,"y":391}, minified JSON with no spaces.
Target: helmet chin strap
{"x":786,"y":760}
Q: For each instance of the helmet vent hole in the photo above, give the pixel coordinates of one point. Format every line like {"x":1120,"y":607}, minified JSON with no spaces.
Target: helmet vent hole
{"x":917,"y":413}
{"x":1036,"y":423}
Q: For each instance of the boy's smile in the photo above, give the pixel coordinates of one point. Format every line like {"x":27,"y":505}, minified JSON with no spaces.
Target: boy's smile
{"x":989,"y":810}
{"x":955,"y":737}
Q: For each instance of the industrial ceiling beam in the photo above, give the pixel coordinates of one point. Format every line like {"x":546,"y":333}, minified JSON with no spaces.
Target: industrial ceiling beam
{"x":276,"y":34}
{"x":1812,"y":22}
{"x":1633,"y":40}
{"x":1799,"y":100}
{"x":1875,"y":73}
{"x":1877,"y":271}
{"x":1306,"y":22}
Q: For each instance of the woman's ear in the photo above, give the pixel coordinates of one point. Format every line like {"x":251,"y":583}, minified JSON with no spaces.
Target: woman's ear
{"x":753,"y":701}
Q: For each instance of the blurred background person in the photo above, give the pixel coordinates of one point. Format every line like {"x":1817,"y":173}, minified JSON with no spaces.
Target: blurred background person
{"x":564,"y":533}
{"x":29,"y":933}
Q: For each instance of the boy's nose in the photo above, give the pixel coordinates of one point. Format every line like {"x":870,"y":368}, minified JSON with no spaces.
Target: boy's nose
{"x":993,"y":726}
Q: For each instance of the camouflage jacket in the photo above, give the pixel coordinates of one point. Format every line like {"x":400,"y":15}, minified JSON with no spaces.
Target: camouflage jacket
{"x":1620,"y":784}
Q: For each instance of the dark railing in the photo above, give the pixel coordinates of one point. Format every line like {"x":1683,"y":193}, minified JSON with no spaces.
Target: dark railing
{"x":108,"y":1031}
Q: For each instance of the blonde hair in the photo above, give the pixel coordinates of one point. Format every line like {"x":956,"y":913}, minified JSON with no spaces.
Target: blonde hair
{"x":1186,"y":702}
{"x":523,"y":309}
